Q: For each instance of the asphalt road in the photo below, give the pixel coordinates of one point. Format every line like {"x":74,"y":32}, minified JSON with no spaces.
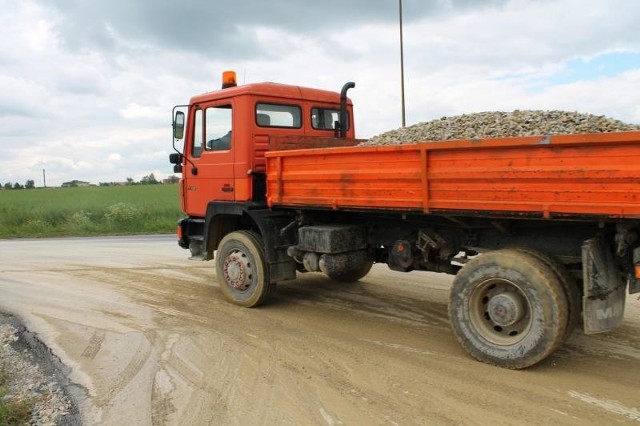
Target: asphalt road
{"x":148,"y":335}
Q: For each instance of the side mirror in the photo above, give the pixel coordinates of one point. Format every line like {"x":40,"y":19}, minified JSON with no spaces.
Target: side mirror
{"x":175,"y":158}
{"x":178,"y":125}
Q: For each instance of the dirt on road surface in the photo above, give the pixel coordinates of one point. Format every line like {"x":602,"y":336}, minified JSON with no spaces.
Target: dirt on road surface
{"x":148,"y":335}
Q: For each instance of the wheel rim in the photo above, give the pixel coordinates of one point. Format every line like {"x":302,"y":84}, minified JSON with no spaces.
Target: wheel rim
{"x":237,"y":270}
{"x":500,"y":312}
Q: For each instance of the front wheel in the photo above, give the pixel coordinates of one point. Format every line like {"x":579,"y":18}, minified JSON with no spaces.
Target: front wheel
{"x":508,"y":308}
{"x":242,"y":270}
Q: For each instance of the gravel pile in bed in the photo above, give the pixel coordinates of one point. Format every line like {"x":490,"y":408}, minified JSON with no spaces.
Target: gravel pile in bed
{"x":502,"y":124}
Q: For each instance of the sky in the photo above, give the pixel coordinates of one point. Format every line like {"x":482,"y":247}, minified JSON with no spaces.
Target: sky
{"x":87,"y":87}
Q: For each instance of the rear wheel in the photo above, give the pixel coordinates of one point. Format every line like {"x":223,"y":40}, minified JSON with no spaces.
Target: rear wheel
{"x":569,"y":284}
{"x":241,"y":269}
{"x":508,"y":308}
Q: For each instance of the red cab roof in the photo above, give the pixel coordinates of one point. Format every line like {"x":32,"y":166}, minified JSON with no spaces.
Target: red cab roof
{"x":277,"y":90}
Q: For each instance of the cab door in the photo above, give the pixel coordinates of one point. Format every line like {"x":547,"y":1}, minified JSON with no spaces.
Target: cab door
{"x":211,"y":177}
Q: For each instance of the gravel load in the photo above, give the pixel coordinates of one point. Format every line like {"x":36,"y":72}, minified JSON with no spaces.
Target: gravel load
{"x":498,"y":124}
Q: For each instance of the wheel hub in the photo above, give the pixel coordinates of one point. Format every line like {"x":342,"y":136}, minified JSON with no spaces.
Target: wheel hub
{"x":505,"y":309}
{"x":237,"y":271}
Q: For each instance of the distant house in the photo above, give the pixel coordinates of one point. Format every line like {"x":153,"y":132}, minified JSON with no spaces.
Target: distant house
{"x":170,"y":180}
{"x":74,"y":183}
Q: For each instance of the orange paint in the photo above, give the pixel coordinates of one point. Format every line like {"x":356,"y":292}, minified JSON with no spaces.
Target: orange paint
{"x":228,"y":175}
{"x":586,"y":174}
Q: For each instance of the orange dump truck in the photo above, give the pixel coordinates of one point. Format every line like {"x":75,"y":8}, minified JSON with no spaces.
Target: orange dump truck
{"x":541,"y":233}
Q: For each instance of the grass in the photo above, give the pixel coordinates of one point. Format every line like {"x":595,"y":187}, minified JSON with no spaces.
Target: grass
{"x":85,"y":211}
{"x":12,"y":412}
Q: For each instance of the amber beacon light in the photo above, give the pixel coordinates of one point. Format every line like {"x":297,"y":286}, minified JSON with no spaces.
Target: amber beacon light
{"x":229,"y":79}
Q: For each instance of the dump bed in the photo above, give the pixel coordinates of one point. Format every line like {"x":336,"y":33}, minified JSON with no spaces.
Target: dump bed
{"x":552,"y":176}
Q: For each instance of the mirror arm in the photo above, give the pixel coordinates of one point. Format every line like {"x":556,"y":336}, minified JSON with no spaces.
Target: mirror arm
{"x":194,"y":169}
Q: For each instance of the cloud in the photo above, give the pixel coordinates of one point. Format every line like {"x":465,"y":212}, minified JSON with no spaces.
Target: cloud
{"x":135,"y":111}
{"x":225,"y":28}
{"x":88,"y":86}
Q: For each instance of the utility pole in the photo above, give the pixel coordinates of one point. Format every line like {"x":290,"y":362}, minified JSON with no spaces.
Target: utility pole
{"x":404,"y":122}
{"x":44,"y":178}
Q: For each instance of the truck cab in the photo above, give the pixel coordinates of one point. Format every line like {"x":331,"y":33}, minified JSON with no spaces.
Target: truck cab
{"x":226,"y":134}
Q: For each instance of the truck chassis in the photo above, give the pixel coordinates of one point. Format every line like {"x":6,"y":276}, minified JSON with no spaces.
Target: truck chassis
{"x":521,"y":285}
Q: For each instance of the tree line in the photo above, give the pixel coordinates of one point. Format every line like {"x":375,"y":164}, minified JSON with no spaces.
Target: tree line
{"x":30,"y":184}
{"x":150,"y":179}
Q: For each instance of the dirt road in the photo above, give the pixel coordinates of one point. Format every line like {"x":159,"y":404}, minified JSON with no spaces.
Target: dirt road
{"x":147,"y":334}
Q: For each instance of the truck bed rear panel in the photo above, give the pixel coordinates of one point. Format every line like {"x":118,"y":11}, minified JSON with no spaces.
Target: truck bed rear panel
{"x":591,"y":174}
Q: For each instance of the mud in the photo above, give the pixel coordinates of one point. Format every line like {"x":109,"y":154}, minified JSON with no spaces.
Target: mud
{"x":149,"y":337}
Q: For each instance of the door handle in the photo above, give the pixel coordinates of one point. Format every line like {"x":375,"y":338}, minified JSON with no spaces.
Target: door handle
{"x":227,"y":188}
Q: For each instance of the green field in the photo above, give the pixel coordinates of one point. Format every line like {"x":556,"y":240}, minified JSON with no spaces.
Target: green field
{"x":103,"y":210}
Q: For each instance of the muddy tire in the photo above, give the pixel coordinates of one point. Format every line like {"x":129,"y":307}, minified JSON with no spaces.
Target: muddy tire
{"x":569,"y":284}
{"x":242,"y":270}
{"x":353,"y":274}
{"x":508,"y":308}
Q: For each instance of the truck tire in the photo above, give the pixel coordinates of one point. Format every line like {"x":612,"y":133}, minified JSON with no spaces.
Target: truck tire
{"x":569,"y":284}
{"x":508,"y":308}
{"x":242,"y":270}
{"x":352,"y":274}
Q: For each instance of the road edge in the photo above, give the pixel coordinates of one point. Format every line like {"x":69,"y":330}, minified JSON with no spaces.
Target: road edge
{"x":49,"y":364}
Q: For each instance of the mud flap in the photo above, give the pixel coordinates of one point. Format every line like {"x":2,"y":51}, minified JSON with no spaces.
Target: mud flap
{"x":604,"y":288}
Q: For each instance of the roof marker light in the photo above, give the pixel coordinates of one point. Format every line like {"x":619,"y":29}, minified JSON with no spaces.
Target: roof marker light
{"x":229,"y":79}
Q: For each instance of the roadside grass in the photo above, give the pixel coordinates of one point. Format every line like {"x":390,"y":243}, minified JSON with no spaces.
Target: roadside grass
{"x":86,"y":211}
{"x":12,"y":411}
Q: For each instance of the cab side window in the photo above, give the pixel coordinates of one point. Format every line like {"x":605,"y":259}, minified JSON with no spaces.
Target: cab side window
{"x":276,"y":115}
{"x":218,"y":122}
{"x":196,"y":146}
{"x":326,"y":118}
